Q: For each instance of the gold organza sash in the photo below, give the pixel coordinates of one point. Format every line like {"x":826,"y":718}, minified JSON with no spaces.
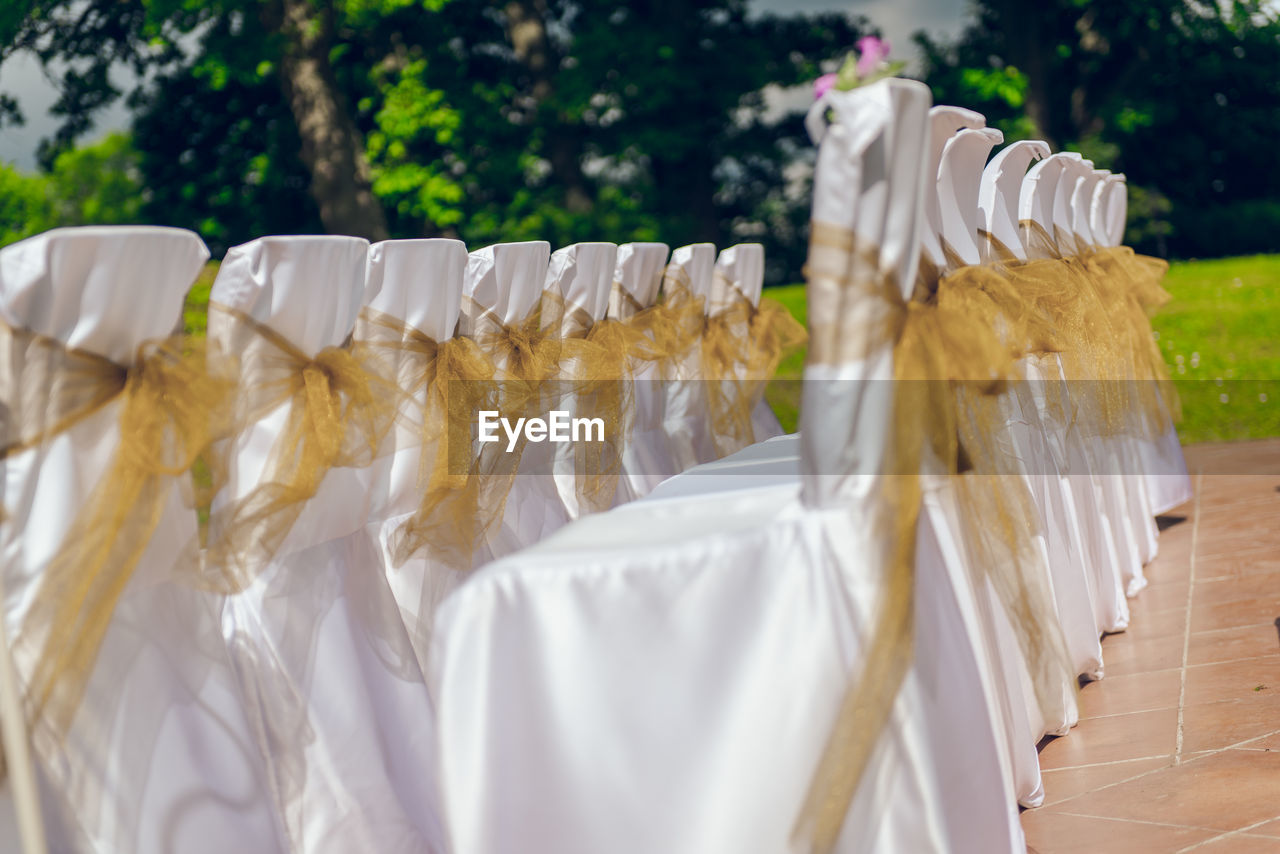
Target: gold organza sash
{"x":1099,"y":301}
{"x":446,"y":382}
{"x":685,"y":310}
{"x":726,"y":344}
{"x":339,"y":410}
{"x":602,"y":384}
{"x":741,"y":348}
{"x":954,"y":348}
{"x":841,"y":277}
{"x":167,"y":403}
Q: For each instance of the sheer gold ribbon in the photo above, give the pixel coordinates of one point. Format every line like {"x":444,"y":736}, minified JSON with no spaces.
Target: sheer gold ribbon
{"x":726,"y":345}
{"x":741,"y":348}
{"x":684,"y":310}
{"x":603,"y":387}
{"x":847,"y":280}
{"x":448,"y":381}
{"x":526,"y":357}
{"x":167,"y":404}
{"x":954,"y":347}
{"x":1101,"y":301}
{"x":339,"y":412}
{"x":983,"y":324}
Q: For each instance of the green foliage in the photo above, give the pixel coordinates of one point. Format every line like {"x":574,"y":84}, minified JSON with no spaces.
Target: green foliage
{"x":608,"y":124}
{"x":1177,"y":94}
{"x":1006,"y":84}
{"x":26,"y":205}
{"x":97,"y":184}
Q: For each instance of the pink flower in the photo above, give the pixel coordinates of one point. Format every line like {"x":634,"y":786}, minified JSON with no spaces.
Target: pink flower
{"x":871,"y":52}
{"x":822,"y":84}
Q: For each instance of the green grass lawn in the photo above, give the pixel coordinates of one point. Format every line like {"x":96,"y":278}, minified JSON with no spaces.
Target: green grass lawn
{"x":1220,"y":335}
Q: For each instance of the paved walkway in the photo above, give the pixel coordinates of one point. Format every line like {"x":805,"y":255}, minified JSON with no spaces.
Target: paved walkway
{"x":1178,"y":748}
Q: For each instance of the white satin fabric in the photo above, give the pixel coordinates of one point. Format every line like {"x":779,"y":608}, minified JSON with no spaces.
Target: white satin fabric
{"x":664,"y":680}
{"x":685,"y":414}
{"x":582,"y":275}
{"x":160,"y":756}
{"x":507,"y":281}
{"x":740,"y":269}
{"x":1022,"y":441}
{"x":418,"y":282}
{"x":331,"y":681}
{"x":647,"y":458}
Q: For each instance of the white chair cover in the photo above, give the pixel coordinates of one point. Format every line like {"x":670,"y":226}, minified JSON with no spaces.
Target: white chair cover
{"x":582,"y":275}
{"x":685,"y":418}
{"x":1084,"y":486}
{"x":664,"y":677}
{"x":316,"y":637}
{"x":1030,"y":455}
{"x":506,"y":280}
{"x":741,"y":267}
{"x":420,"y":283}
{"x":647,"y":459}
{"x":160,"y":756}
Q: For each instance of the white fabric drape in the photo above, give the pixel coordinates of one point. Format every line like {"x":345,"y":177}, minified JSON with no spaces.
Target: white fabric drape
{"x":160,"y":756}
{"x":647,"y":458}
{"x":506,"y":281}
{"x":689,"y":438}
{"x":582,"y":276}
{"x":316,"y":639}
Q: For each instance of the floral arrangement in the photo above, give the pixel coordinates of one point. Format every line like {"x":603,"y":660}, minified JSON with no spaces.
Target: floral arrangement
{"x":867,"y":63}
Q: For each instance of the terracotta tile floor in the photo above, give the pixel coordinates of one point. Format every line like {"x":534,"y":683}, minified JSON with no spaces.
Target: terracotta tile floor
{"x":1178,"y":748}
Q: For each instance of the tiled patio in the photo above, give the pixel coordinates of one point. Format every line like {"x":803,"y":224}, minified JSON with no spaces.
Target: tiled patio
{"x":1178,"y":749}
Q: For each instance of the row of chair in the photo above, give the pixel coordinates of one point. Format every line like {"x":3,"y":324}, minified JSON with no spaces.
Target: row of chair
{"x":674,"y":674}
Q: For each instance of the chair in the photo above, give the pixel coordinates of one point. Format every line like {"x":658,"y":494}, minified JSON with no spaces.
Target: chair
{"x":646,"y":460}
{"x":687,"y":282}
{"x":313,"y":629}
{"x":158,"y":754}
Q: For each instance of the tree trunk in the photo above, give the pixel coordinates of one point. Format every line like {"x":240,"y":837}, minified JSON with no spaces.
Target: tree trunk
{"x":1022,"y":26}
{"x":332,"y":147}
{"x":526,"y":24}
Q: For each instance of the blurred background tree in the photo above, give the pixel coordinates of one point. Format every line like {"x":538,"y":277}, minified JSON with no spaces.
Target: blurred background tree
{"x":567,"y":120}
{"x":1182,"y":96}
{"x":547,"y":119}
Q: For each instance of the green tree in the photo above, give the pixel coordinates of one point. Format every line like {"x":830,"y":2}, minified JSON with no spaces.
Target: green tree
{"x":552,"y":119}
{"x":98,"y":184}
{"x":88,"y":39}
{"x":26,"y":205}
{"x":1179,"y":95}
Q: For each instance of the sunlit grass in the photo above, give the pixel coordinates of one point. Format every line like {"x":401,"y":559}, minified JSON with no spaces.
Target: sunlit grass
{"x":1220,"y":335}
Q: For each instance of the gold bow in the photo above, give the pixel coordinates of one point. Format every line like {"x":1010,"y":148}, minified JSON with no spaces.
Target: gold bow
{"x":340,"y":410}
{"x":954,"y":350}
{"x":449,"y":381}
{"x":167,"y":403}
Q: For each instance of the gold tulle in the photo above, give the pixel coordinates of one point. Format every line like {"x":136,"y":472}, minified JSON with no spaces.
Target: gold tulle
{"x":726,"y":345}
{"x":167,"y":404}
{"x":1100,"y":301}
{"x":340,"y":410}
{"x":449,"y":381}
{"x":955,"y":347}
{"x":741,"y":348}
{"x":841,"y":277}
